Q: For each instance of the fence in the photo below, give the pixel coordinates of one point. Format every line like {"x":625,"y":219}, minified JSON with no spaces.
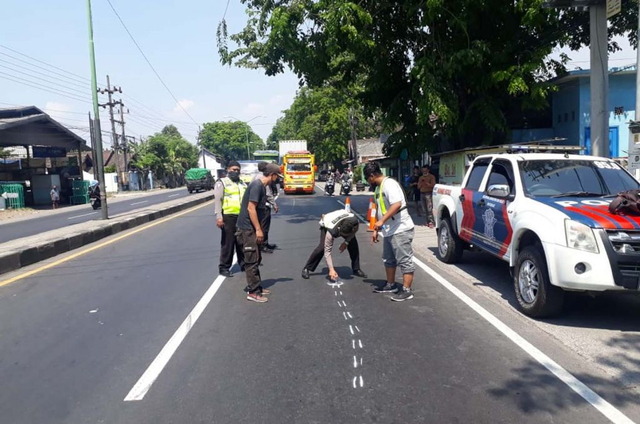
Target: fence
{"x":13,"y":194}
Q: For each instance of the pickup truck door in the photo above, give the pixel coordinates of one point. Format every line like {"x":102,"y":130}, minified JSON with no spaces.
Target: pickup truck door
{"x":473,"y":204}
{"x":495,"y":218}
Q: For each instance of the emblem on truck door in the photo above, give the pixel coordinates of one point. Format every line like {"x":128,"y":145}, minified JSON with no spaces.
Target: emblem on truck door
{"x":490,"y":220}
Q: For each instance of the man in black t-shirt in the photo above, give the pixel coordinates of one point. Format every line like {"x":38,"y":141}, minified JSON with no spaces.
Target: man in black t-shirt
{"x":250,"y":234}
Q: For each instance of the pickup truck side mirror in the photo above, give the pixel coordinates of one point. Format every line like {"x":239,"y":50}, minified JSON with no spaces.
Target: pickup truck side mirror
{"x":500,"y":191}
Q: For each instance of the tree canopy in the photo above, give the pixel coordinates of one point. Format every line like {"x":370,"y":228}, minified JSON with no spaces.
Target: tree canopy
{"x":456,"y":70}
{"x":166,"y":154}
{"x":229,"y":139}
{"x":322,"y":117}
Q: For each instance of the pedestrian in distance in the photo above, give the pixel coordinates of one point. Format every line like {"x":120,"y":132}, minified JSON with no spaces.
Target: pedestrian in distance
{"x":250,"y":233}
{"x":55,"y":197}
{"x":394,"y":223}
{"x":272,"y":194}
{"x":336,"y":224}
{"x":228,"y":192}
{"x":425,"y":184}
{"x":413,"y":186}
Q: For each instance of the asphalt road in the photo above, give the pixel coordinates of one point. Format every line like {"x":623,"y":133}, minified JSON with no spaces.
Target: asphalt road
{"x":29,"y":227}
{"x":77,"y":337}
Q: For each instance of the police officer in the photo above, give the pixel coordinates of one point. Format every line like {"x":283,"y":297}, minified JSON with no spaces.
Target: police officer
{"x":336,"y":224}
{"x":228,"y":193}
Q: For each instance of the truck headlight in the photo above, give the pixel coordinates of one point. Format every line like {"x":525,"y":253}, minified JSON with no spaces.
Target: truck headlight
{"x":580,"y":236}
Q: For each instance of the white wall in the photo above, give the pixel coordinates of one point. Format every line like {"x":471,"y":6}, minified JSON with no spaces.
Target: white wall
{"x":110,"y":180}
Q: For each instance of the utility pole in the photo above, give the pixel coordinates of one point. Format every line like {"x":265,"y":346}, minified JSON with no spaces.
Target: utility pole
{"x":125,"y":147}
{"x":599,"y":80}
{"x":93,"y":147}
{"x":204,"y":157}
{"x":114,"y":134}
{"x":354,"y":139}
{"x":99,"y":163}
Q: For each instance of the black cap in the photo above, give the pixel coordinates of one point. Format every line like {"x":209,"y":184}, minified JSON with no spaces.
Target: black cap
{"x":271,"y":169}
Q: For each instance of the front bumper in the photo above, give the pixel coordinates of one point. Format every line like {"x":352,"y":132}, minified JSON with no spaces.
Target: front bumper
{"x":606,"y":270}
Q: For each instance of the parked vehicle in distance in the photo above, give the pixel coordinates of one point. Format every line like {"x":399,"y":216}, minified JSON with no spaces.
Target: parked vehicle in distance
{"x":271,"y":156}
{"x":248,"y":170}
{"x":322,"y":175}
{"x":547,"y":216}
{"x":198,"y":179}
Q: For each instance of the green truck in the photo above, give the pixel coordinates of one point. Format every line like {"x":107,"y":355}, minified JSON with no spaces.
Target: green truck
{"x":198,"y":179}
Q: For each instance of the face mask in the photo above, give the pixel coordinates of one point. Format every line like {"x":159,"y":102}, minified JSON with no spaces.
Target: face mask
{"x":234,"y":176}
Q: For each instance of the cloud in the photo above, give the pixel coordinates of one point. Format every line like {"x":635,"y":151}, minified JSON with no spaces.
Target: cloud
{"x":57,"y":110}
{"x":186,"y":105}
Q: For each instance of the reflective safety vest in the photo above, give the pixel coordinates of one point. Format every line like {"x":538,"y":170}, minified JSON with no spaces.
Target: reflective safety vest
{"x":381,"y":207}
{"x":232,"y":198}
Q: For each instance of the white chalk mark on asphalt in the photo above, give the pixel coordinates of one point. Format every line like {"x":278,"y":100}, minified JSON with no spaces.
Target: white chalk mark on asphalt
{"x":355,"y":362}
{"x":355,"y":379}
{"x":351,"y":329}
{"x":361,"y":361}
{"x":139,"y":203}
{"x":605,"y":408}
{"x":93,"y":311}
{"x":357,"y":329}
{"x":353,"y":343}
{"x":336,"y":293}
{"x":147,"y":379}
{"x":344,"y":303}
{"x":339,"y":304}
{"x":361,"y":382}
{"x":340,"y":293}
{"x":80,"y":216}
{"x":174,"y":195}
{"x":345,"y":316}
{"x":349,"y":313}
{"x":360,"y":343}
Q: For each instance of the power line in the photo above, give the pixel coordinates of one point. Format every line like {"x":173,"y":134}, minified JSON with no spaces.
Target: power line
{"x":57,"y":84}
{"x":39,"y":67}
{"x":45,"y":63}
{"x":225,"y":10}
{"x":29,"y":83}
{"x":149,"y":63}
{"x":83,"y":86}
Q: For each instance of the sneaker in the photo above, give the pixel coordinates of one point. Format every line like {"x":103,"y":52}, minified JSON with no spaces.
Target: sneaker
{"x":405,"y":294}
{"x":226,"y":273}
{"x":271,"y":246}
{"x":265,"y":291}
{"x":387,"y":288}
{"x":265,"y":249}
{"x":305,"y":274}
{"x":257,"y":297}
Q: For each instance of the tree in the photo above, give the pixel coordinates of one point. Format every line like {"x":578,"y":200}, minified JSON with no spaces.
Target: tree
{"x":455,"y":70}
{"x":166,"y":154}
{"x":229,"y":139}
{"x":321,"y":116}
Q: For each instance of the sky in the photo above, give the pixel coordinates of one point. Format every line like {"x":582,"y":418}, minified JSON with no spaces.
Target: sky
{"x":179,"y":39}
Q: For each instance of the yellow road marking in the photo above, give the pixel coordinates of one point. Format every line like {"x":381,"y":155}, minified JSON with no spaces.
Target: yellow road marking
{"x":91,"y":249}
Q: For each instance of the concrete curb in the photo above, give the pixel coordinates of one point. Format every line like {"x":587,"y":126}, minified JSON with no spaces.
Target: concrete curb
{"x":23,"y":252}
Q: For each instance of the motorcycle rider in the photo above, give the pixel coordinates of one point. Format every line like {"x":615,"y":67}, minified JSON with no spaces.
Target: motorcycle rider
{"x":228,"y":193}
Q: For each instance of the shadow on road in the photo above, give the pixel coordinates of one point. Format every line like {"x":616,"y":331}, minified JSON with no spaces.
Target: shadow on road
{"x":534,"y":390}
{"x":611,"y":311}
{"x":274,"y":281}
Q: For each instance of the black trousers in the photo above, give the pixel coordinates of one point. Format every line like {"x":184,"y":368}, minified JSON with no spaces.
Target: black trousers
{"x":318,"y":253}
{"x":266,"y":224}
{"x":229,"y":243}
{"x":252,"y":259}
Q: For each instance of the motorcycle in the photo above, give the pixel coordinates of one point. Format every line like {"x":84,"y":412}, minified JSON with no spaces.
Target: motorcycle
{"x":329,"y":187}
{"x":347,"y":186}
{"x":94,"y":195}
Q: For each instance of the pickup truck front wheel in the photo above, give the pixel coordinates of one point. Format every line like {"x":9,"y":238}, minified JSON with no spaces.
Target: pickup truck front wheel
{"x":536,"y":296}
{"x":449,"y":245}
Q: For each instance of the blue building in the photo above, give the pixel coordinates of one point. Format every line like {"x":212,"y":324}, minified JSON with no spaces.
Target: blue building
{"x":571,"y":106}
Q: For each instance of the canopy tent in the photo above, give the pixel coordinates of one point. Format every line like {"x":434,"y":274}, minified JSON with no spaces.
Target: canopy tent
{"x":30,"y":126}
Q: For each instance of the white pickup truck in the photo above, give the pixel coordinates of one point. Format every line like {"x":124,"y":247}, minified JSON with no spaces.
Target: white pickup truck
{"x":546,"y":215}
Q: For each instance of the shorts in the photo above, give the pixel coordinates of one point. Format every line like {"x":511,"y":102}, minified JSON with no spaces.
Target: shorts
{"x":397,"y":251}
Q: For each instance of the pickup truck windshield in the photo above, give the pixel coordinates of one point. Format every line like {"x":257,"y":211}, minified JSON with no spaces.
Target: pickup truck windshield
{"x":570,"y":177}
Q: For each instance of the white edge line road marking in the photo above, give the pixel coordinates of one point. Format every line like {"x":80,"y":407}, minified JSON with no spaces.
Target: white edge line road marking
{"x":139,"y":203}
{"x":143,"y":385}
{"x":80,"y":216}
{"x":565,"y":376}
{"x":174,"y":195}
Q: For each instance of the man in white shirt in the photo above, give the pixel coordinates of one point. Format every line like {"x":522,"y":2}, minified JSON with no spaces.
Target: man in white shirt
{"x":55,"y":197}
{"x":396,"y":226}
{"x":336,"y":224}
